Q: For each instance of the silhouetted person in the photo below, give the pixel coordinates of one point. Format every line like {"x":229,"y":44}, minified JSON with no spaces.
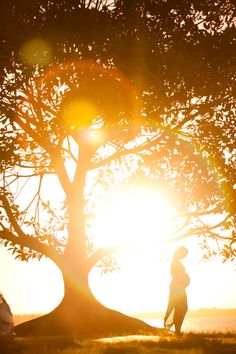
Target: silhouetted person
{"x":177,"y":304}
{"x":6,"y":318}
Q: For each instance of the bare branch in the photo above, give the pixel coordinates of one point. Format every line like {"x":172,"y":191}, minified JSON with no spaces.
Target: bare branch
{"x":36,"y":174}
{"x":21,"y":188}
{"x":198,"y":213}
{"x":198,"y":232}
{"x":69,"y":152}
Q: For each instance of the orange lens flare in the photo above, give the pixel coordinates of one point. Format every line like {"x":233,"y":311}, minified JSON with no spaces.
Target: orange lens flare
{"x":78,"y":113}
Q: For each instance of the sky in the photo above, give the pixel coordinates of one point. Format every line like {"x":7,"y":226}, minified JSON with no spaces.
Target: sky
{"x":140,"y":285}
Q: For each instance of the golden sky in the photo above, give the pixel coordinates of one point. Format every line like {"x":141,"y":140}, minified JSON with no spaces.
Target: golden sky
{"x":141,"y":284}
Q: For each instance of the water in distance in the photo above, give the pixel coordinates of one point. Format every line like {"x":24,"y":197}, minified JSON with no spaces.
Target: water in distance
{"x":222,"y":324}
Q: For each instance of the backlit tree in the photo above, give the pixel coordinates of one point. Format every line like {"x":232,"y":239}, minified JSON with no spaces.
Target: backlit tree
{"x":88,"y":87}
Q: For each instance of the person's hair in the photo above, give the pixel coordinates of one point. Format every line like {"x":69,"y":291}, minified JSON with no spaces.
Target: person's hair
{"x":181,"y":252}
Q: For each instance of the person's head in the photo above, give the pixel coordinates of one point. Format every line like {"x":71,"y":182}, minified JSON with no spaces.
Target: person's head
{"x":180,"y":253}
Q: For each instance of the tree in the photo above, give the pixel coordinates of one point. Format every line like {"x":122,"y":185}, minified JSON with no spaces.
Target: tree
{"x":145,"y":84}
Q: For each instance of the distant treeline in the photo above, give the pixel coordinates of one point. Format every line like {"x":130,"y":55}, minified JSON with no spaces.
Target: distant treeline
{"x":204,"y":312}
{"x":214,"y":312}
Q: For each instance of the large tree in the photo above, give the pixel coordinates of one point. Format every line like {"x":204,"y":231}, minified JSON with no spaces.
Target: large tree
{"x":99,"y":85}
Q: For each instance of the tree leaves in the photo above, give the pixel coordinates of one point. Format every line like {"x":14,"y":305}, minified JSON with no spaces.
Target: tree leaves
{"x":158,"y":80}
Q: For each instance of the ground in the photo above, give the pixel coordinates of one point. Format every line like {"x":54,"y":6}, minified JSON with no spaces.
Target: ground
{"x":137,"y":344}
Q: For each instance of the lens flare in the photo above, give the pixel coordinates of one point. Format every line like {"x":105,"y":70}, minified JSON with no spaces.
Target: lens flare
{"x":78,"y":113}
{"x":37,"y":52}
{"x":93,"y":137}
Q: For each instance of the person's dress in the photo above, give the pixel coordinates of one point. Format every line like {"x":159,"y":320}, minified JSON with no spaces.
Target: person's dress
{"x":177,"y":304}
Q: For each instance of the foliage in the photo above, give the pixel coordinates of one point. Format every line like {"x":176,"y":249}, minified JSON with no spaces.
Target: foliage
{"x":153,"y":81}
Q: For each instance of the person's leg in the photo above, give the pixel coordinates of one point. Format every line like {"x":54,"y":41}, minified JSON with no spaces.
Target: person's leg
{"x":180,"y":312}
{"x":169,"y":310}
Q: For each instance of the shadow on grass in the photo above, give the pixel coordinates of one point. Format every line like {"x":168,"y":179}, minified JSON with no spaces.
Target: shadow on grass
{"x":187,"y":344}
{"x":192,"y":343}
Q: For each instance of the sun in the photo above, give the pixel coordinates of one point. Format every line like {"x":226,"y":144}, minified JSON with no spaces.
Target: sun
{"x":136,"y":220}
{"x":133,"y":217}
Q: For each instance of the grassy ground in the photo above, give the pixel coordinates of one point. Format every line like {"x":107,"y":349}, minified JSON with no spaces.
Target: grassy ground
{"x":140,"y":344}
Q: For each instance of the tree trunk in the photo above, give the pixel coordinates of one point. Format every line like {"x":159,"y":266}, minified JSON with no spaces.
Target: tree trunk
{"x":80,"y":314}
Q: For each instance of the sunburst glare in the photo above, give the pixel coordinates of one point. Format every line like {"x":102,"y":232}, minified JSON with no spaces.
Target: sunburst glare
{"x":133,"y":217}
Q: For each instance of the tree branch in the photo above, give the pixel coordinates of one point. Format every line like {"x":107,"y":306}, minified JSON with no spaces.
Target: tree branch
{"x":198,"y":213}
{"x":198,"y":231}
{"x":59,"y":167}
{"x":11,"y":216}
{"x":105,"y":252}
{"x":32,"y":133}
{"x":33,"y":244}
{"x":144,"y":146}
{"x":25,"y":240}
{"x":56,"y":159}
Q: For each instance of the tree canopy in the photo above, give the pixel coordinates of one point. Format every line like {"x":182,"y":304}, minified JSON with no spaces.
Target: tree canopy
{"x":149,"y":85}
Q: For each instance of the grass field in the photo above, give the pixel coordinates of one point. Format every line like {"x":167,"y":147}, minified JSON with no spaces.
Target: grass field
{"x":139,"y":344}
